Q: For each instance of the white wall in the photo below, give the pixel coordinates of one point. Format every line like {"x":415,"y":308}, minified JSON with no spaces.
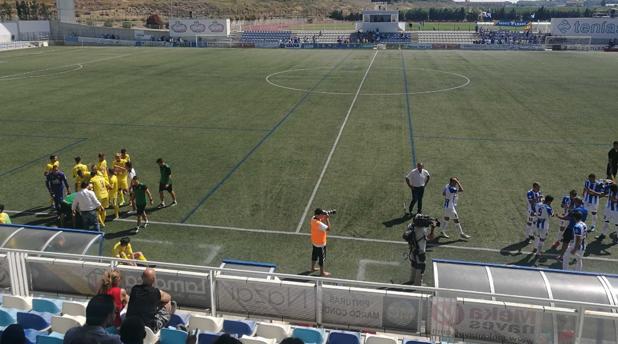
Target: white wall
{"x":5,"y":34}
{"x":28,"y":30}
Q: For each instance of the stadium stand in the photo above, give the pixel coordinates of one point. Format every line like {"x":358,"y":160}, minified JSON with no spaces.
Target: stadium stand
{"x":454,"y":37}
{"x":323,"y":36}
{"x":265,"y":36}
{"x":508,"y":37}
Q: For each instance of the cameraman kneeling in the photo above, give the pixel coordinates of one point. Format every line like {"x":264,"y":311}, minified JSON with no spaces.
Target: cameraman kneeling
{"x":416,"y":236}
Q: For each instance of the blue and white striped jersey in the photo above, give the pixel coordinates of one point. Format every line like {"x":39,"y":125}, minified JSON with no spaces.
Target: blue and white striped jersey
{"x":450,"y":196}
{"x":595,"y":186}
{"x":566,"y":204}
{"x":580,"y":229}
{"x":533,"y":197}
{"x":543,"y":213}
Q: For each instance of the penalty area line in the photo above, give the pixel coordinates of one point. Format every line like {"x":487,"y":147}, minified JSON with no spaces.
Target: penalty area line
{"x":335,"y":237}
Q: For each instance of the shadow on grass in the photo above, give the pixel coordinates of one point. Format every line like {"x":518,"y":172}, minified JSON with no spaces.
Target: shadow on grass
{"x":598,"y":248}
{"x":32,"y":211}
{"x":397,"y":221}
{"x":517,"y":247}
{"x":120,"y":234}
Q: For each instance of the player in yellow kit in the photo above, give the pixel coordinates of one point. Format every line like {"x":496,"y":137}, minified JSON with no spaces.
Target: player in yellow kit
{"x":79,"y":166}
{"x":120,"y":168}
{"x":101,"y":166}
{"x":113,"y":192}
{"x":101,"y":188}
{"x":124,"y":155}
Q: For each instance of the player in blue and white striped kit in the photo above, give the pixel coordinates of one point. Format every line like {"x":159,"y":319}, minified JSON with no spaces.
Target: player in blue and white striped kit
{"x":544,"y":212}
{"x":610,"y":215}
{"x":567,"y":205}
{"x":450,"y":193}
{"x":533,"y":197}
{"x":593,"y":191}
{"x":577,"y":246}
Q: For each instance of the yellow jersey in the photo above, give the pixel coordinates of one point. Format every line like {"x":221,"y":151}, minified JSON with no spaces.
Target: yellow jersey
{"x":125,"y":252}
{"x":113,"y":183}
{"x":126,"y":157}
{"x":50,"y":166}
{"x":79,"y":167}
{"x":102,"y":168}
{"x":120,"y":166}
{"x":100,"y":186}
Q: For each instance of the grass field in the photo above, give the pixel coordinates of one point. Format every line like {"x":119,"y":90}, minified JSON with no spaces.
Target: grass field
{"x":333,"y":129}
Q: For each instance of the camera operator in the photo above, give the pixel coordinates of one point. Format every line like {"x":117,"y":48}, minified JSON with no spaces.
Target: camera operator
{"x":416,"y":235}
{"x":320,"y":226}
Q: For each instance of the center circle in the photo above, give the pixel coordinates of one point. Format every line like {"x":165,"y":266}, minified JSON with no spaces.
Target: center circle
{"x":465,"y":81}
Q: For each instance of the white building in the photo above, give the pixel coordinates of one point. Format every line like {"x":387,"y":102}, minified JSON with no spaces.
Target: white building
{"x":380,"y":20}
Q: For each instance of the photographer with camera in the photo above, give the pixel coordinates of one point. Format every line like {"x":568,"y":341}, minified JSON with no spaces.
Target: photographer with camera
{"x":416,"y":236}
{"x":320,"y":226}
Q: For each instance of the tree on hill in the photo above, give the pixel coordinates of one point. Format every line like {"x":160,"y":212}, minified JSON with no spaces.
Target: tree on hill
{"x":154,"y":22}
{"x":6,"y":11}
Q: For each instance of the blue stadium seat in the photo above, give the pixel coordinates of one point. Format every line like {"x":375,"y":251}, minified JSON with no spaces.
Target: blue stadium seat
{"x":309,"y":335}
{"x":45,"y":305}
{"x":7,"y":317}
{"x":343,"y":337}
{"x":207,"y":337}
{"x":31,"y":335}
{"x":172,"y":336}
{"x":179,"y":318}
{"x":34,"y":320}
{"x":48,"y":339}
{"x":239,"y":327}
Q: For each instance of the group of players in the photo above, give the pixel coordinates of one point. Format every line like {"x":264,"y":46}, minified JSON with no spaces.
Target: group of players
{"x":578,"y":218}
{"x":113,"y":186}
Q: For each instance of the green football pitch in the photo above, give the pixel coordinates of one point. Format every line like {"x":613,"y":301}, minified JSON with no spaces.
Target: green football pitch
{"x":259,"y":138}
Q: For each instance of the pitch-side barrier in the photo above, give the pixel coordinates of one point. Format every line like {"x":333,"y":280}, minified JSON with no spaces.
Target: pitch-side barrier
{"x":432,"y":311}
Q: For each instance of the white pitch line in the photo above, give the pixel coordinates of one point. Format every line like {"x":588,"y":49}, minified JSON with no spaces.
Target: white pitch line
{"x":334,"y":147}
{"x":213,"y":250}
{"x":339,"y":237}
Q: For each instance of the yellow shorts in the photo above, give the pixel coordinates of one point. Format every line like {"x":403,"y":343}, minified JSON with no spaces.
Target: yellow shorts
{"x":123,"y":184}
{"x":113,"y":200}
{"x":104,"y":202}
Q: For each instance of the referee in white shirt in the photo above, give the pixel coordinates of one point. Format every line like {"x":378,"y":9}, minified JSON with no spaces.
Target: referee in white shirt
{"x":417,"y":179}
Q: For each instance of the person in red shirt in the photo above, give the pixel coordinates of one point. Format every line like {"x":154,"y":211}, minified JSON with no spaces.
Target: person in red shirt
{"x":110,"y":285}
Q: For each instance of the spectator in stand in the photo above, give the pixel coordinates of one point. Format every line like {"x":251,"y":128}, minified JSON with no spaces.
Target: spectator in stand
{"x":99,"y":315}
{"x":150,"y":304}
{"x":110,"y":285}
{"x":4,"y":217}
{"x":13,"y":334}
{"x":132,"y":331}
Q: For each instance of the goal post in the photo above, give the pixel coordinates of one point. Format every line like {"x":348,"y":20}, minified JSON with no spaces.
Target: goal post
{"x":568,"y":42}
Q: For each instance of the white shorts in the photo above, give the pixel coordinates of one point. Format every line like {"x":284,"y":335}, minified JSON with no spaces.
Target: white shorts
{"x":611,"y":216}
{"x":591,"y":207}
{"x":451,"y":213}
{"x":541,"y":232}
